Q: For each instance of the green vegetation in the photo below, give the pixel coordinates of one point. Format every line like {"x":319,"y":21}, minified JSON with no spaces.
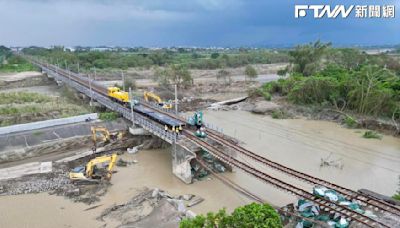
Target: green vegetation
{"x":344,"y":79}
{"x":350,"y":122}
{"x":252,"y":215}
{"x":224,"y":75}
{"x":372,"y":135}
{"x":279,"y":114}
{"x":130,"y":83}
{"x":109,"y":116}
{"x":397,"y":195}
{"x":37,"y":133}
{"x":305,"y":59}
{"x":23,"y":97}
{"x":141,"y":57}
{"x":250,"y":72}
{"x":12,"y":63}
{"x":23,"y":107}
{"x":174,"y":74}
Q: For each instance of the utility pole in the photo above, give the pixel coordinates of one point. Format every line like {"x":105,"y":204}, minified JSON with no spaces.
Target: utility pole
{"x":69,"y":74}
{"x":131,"y":101}
{"x":176,"y":99}
{"x":95,"y":73}
{"x":58,"y":65}
{"x":90,"y":88}
{"x":123,"y":81}
{"x":78,"y":67}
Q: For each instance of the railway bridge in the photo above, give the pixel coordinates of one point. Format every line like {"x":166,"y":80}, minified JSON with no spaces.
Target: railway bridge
{"x":187,"y":144}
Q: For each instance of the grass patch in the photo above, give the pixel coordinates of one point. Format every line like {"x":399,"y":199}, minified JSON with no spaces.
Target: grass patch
{"x":350,"y":122}
{"x":23,"y":107}
{"x":37,"y":133}
{"x":260,"y":92}
{"x":23,"y":97}
{"x":371,"y":135}
{"x":108,"y":116}
{"x":6,"y":68}
{"x":278,"y":114}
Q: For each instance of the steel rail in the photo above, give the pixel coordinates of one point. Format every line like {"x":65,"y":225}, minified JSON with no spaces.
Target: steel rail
{"x":348,"y":193}
{"x":305,"y":177}
{"x":326,"y":205}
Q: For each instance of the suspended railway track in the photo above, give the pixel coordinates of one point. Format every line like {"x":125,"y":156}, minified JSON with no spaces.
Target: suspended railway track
{"x":324,"y":204}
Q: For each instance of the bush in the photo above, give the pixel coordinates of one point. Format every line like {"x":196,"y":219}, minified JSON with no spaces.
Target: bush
{"x":314,"y":90}
{"x":372,"y":135}
{"x":350,"y":122}
{"x":250,"y":72}
{"x":278,"y":114}
{"x":251,"y":215}
{"x":108,"y":116}
{"x":267,"y":96}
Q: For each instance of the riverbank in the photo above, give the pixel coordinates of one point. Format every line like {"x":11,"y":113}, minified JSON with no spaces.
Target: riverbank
{"x":301,"y":144}
{"x":153,"y":170}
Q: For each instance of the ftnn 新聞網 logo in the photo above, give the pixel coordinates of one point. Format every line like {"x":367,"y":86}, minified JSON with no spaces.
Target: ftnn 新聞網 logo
{"x":361,"y":11}
{"x":319,"y":11}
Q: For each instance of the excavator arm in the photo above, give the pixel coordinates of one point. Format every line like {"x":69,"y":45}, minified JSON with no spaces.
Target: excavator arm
{"x":106,"y":159}
{"x":156,"y":98}
{"x":100,"y":134}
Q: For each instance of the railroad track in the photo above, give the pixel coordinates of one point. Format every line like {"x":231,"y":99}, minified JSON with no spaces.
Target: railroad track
{"x":324,"y":204}
{"x":260,"y":175}
{"x":348,"y":193}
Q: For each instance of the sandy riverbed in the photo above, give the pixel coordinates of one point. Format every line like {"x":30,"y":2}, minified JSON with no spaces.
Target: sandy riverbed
{"x":153,"y":170}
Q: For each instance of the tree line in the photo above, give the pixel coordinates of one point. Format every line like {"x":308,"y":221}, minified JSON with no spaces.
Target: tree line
{"x":344,"y":78}
{"x":164,"y":57}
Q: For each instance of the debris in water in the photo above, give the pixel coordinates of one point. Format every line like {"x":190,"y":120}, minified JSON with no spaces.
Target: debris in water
{"x":94,"y":207}
{"x":148,"y":207}
{"x":195,"y":201}
{"x":328,"y":161}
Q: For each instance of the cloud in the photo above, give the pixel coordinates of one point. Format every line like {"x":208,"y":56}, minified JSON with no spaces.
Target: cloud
{"x":181,"y":22}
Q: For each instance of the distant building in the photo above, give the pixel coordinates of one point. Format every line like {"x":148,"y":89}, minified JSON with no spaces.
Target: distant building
{"x":71,"y":49}
{"x":102,"y":49}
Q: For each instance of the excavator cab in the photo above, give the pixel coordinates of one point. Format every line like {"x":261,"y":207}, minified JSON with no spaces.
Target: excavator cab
{"x":150,"y":95}
{"x":101,"y":135}
{"x":96,"y":169}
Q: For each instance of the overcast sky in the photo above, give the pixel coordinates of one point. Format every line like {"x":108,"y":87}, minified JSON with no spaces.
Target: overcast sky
{"x":184,"y":23}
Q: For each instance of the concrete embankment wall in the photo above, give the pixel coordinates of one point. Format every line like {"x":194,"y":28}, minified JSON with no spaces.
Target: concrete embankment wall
{"x":22,"y":145}
{"x":47,"y":123}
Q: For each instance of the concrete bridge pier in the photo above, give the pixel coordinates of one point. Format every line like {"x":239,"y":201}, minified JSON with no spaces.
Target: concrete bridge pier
{"x":137,"y":130}
{"x":181,"y":157}
{"x":181,"y":152}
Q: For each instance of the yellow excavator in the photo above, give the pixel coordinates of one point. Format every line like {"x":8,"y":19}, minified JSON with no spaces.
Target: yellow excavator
{"x":101,"y":134}
{"x":96,"y":169}
{"x":156,"y":98}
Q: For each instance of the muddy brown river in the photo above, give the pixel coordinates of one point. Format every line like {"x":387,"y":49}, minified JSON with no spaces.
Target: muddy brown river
{"x":299,"y":144}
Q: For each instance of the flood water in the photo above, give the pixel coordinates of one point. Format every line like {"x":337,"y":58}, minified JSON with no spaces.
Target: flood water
{"x":153,"y":170}
{"x":301,"y":144}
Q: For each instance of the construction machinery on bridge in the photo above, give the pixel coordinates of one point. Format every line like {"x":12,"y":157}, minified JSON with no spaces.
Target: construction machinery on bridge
{"x":161,"y":116}
{"x":197,"y":121}
{"x":118,"y":95}
{"x":150,"y":95}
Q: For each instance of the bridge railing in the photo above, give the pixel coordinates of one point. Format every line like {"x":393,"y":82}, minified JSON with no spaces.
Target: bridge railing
{"x":134,"y":117}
